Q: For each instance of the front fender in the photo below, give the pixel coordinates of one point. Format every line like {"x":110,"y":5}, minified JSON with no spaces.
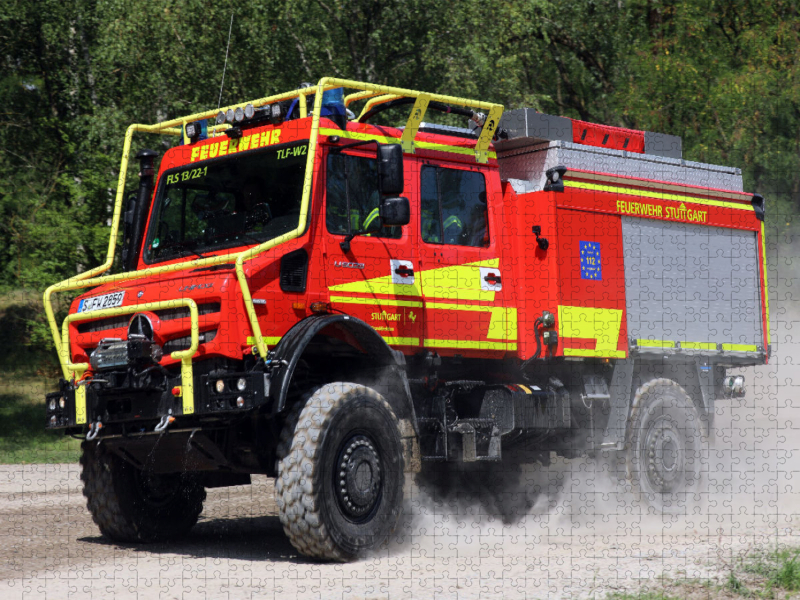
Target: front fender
{"x":293,"y":345}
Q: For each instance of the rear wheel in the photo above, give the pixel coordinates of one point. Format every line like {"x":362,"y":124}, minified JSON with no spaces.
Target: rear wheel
{"x":340,"y":478}
{"x":666,"y":446}
{"x":130,"y":505}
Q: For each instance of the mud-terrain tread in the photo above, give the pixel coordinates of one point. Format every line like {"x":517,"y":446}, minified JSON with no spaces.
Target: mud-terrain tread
{"x":637,"y":404}
{"x":103,"y":501}
{"x":298,"y":452}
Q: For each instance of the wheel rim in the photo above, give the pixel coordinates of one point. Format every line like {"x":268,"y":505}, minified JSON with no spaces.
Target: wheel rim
{"x":157,"y":490}
{"x":664,"y":455}
{"x":358,"y":478}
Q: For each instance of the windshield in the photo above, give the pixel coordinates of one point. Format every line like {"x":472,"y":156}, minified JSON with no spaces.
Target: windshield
{"x":233,"y":201}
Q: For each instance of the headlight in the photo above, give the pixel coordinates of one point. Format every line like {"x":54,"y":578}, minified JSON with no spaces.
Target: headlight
{"x":52,"y":405}
{"x":733,"y":386}
{"x":238,"y":114}
{"x":249,"y":111}
{"x":219,"y":386}
{"x":241,"y":384}
{"x":220,"y":118}
{"x":229,"y":115}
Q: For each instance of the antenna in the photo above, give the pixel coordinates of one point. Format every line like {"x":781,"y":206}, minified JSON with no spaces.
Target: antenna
{"x":230,"y":28}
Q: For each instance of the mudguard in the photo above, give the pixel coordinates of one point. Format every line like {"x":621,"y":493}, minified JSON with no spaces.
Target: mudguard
{"x":293,"y":345}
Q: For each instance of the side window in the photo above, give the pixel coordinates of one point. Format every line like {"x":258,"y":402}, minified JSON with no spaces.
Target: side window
{"x":353,"y":197}
{"x":453,"y":207}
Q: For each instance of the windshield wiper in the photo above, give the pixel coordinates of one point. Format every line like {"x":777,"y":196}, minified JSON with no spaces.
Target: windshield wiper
{"x":190,"y":246}
{"x":248,"y":236}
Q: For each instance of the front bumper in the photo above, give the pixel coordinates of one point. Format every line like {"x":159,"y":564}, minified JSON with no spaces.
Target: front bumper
{"x":139,"y":410}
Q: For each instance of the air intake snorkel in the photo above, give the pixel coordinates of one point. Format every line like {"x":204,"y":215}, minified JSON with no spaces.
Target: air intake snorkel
{"x":136,"y":212}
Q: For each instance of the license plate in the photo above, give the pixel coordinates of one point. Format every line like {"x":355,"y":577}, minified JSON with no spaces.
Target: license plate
{"x":100,"y":302}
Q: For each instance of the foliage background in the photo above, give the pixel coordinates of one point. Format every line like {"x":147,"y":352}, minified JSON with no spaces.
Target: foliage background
{"x":724,"y":75}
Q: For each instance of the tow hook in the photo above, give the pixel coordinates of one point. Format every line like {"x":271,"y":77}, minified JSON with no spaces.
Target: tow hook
{"x":165,"y":422}
{"x":94,"y":429}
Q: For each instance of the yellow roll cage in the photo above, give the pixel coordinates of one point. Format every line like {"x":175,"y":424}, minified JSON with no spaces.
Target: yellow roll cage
{"x":94,"y":277}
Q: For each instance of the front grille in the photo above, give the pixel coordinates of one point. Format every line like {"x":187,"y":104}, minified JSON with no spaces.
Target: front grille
{"x":169,"y":314}
{"x":104,"y":324}
{"x":183,"y":343}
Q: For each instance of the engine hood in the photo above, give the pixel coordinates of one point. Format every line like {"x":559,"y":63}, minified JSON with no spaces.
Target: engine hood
{"x":196,"y":283}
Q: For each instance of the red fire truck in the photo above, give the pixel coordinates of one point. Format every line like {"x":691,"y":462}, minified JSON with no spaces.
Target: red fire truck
{"x":333,"y":300}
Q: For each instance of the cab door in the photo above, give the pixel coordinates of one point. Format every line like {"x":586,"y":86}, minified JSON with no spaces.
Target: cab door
{"x":463,"y":282}
{"x":376,"y":278}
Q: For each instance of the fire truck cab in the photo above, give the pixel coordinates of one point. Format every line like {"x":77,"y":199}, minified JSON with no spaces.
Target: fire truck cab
{"x":333,"y":302}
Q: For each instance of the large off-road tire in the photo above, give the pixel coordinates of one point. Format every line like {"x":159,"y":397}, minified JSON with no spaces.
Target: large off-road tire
{"x":339,"y":486}
{"x":666,"y":447}
{"x":133,"y":506}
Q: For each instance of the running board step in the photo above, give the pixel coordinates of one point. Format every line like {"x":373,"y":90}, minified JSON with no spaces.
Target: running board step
{"x":480,"y":439}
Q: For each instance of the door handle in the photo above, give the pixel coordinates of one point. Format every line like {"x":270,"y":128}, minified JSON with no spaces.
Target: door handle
{"x":404,"y":271}
{"x":492,"y":278}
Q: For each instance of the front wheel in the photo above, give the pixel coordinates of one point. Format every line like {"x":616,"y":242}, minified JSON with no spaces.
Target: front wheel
{"x":666,"y":446}
{"x":130,"y":505}
{"x":340,"y":478}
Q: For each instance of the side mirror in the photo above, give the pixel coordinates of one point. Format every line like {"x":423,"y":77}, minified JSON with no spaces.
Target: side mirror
{"x":390,"y":169}
{"x":395,"y":211}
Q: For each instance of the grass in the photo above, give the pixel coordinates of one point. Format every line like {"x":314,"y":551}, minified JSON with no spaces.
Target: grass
{"x":27,"y":372}
{"x":23,"y":437}
{"x":780,"y":570}
{"x":766,"y":574}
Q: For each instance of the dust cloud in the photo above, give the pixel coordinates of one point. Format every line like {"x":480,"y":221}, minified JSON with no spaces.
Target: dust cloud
{"x":750,"y":497}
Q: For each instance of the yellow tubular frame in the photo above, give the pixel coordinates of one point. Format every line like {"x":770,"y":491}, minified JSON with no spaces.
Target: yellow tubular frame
{"x":94,"y":276}
{"x":185,"y":356}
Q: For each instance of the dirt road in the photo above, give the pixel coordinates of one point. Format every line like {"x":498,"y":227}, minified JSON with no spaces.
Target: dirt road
{"x":573,"y":533}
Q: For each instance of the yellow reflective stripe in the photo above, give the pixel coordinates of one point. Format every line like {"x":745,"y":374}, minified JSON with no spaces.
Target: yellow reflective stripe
{"x":655,"y":343}
{"x":601,"y":324}
{"x":453,"y":282}
{"x":458,"y":282}
{"x":448,"y":306}
{"x":503,"y":325}
{"x":698,"y":346}
{"x":80,"y":405}
{"x":357,"y":135}
{"x":187,"y":386}
{"x":739,"y":348}
{"x":525,"y":389}
{"x":376,"y":301}
{"x":468,"y":344}
{"x":268,"y":340}
{"x":653,"y":194}
{"x":766,"y":287}
{"x":594,"y":353}
{"x":401,"y":341}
